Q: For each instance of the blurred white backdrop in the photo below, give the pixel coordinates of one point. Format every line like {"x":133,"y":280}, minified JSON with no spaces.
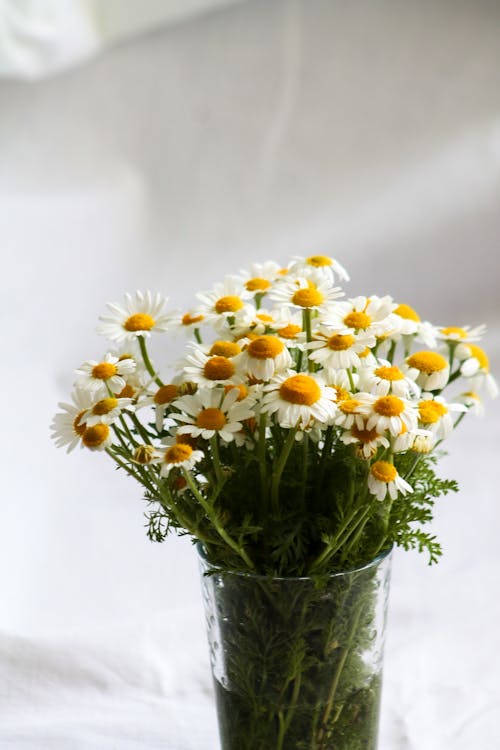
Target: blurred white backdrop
{"x":369,"y":131}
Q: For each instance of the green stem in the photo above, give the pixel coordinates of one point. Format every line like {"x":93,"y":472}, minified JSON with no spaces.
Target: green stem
{"x":278,"y":471}
{"x":212,"y":515}
{"x":261,"y":452}
{"x":325,"y":454}
{"x":351,"y":380}
{"x":306,"y":322}
{"x":197,"y":335}
{"x":343,"y":533}
{"x":147,"y":362}
{"x":214,"y":444}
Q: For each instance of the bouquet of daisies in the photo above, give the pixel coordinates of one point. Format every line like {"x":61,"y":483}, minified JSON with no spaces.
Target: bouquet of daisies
{"x":298,"y":434}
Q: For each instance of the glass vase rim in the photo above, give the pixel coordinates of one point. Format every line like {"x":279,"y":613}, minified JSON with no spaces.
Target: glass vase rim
{"x":373,"y":563}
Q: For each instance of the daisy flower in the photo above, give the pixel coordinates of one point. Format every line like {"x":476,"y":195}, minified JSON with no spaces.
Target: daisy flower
{"x":338,"y":351}
{"x":260,"y":277}
{"x":98,"y":437}
{"x":383,"y":478}
{"x":160,"y":400}
{"x":186,"y":321}
{"x":298,"y":400}
{"x":391,"y":413}
{"x":224,"y":301}
{"x":465,"y":335}
{"x":475,"y":363}
{"x":406,"y":439}
{"x":67,"y":426}
{"x":430,"y":370}
{"x":105,"y":376}
{"x":354,"y":410}
{"x":288,"y":326}
{"x":385,"y":379}
{"x":209,"y":370}
{"x":305,"y":294}
{"x":370,"y":315}
{"x":435,"y":414}
{"x":367,"y":441}
{"x":141,"y":314}
{"x":321,"y":264}
{"x":211,"y":412}
{"x":409,"y":323}
{"x":473,"y":402}
{"x":106,"y":411}
{"x":264,"y":356}
{"x":257,"y":323}
{"x":423,"y":443}
{"x":179,"y":456}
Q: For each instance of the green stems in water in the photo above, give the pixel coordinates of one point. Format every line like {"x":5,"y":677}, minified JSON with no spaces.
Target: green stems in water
{"x":278,"y":470}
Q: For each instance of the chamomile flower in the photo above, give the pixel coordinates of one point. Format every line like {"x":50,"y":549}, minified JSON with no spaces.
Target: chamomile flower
{"x":260,"y":277}
{"x":369,"y":315}
{"x":392,"y":413}
{"x":255,"y":324}
{"x":430,"y":370}
{"x":186,"y":321}
{"x":473,"y":402}
{"x":465,"y":335}
{"x":105,"y":376}
{"x":475,"y":363}
{"x":288,"y":326}
{"x":298,"y":400}
{"x":406,"y":439}
{"x":97,"y":437}
{"x":208,"y":370}
{"x":67,"y":426}
{"x":409,"y":323}
{"x":106,"y":411}
{"x":338,"y":351}
{"x":142,"y":313}
{"x":304,"y":294}
{"x":211,"y":411}
{"x":435,"y":414}
{"x":263,"y":357}
{"x":224,"y":301}
{"x":179,"y":456}
{"x":320,"y":264}
{"x":354,"y":410}
{"x":160,"y":399}
{"x":367,"y":441}
{"x":383,"y":479}
{"x":385,"y":379}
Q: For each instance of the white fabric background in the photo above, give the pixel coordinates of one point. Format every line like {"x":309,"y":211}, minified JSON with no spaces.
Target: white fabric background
{"x":368,"y":130}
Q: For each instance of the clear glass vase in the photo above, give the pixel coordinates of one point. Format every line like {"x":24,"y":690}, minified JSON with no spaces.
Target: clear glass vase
{"x":297,"y":662}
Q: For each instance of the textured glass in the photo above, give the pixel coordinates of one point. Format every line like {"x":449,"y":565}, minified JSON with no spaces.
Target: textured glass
{"x":297,"y":662}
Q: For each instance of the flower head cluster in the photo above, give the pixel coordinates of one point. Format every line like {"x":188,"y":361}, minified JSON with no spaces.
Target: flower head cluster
{"x":285,"y":382}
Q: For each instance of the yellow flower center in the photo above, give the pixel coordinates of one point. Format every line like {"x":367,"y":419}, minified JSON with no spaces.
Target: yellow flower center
{"x":265,"y":347}
{"x":389,"y":373}
{"x":384,"y":471}
{"x":481,"y":356}
{"x":431,"y":412}
{"x":211,"y":419}
{"x":467,"y":394}
{"x":341,"y":393}
{"x":319,"y":260}
{"x":407,"y":312}
{"x":218,"y":368}
{"x":265,"y":318}
{"x":95,"y":436}
{"x":189,"y":320}
{"x":357,"y":319}
{"x":388,"y":406}
{"x":339,"y":342}
{"x":228,"y":304}
{"x":225,"y":349}
{"x":139,"y":322}
{"x":290,"y":331}
{"x":104,"y":370}
{"x":349,"y":406}
{"x":257,"y":284}
{"x":165,"y":394}
{"x":427,"y":362}
{"x":79,"y":429}
{"x":364,"y":353}
{"x":177,"y":453}
{"x":454,"y":332}
{"x":243,"y":390}
{"x":126,"y":392}
{"x":144,"y":454}
{"x":364,"y":436}
{"x":308,"y":297}
{"x":300,"y":389}
{"x":104,"y":406}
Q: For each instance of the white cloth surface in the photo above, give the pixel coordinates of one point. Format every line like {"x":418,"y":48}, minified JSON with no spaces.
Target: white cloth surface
{"x":370,"y":131}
